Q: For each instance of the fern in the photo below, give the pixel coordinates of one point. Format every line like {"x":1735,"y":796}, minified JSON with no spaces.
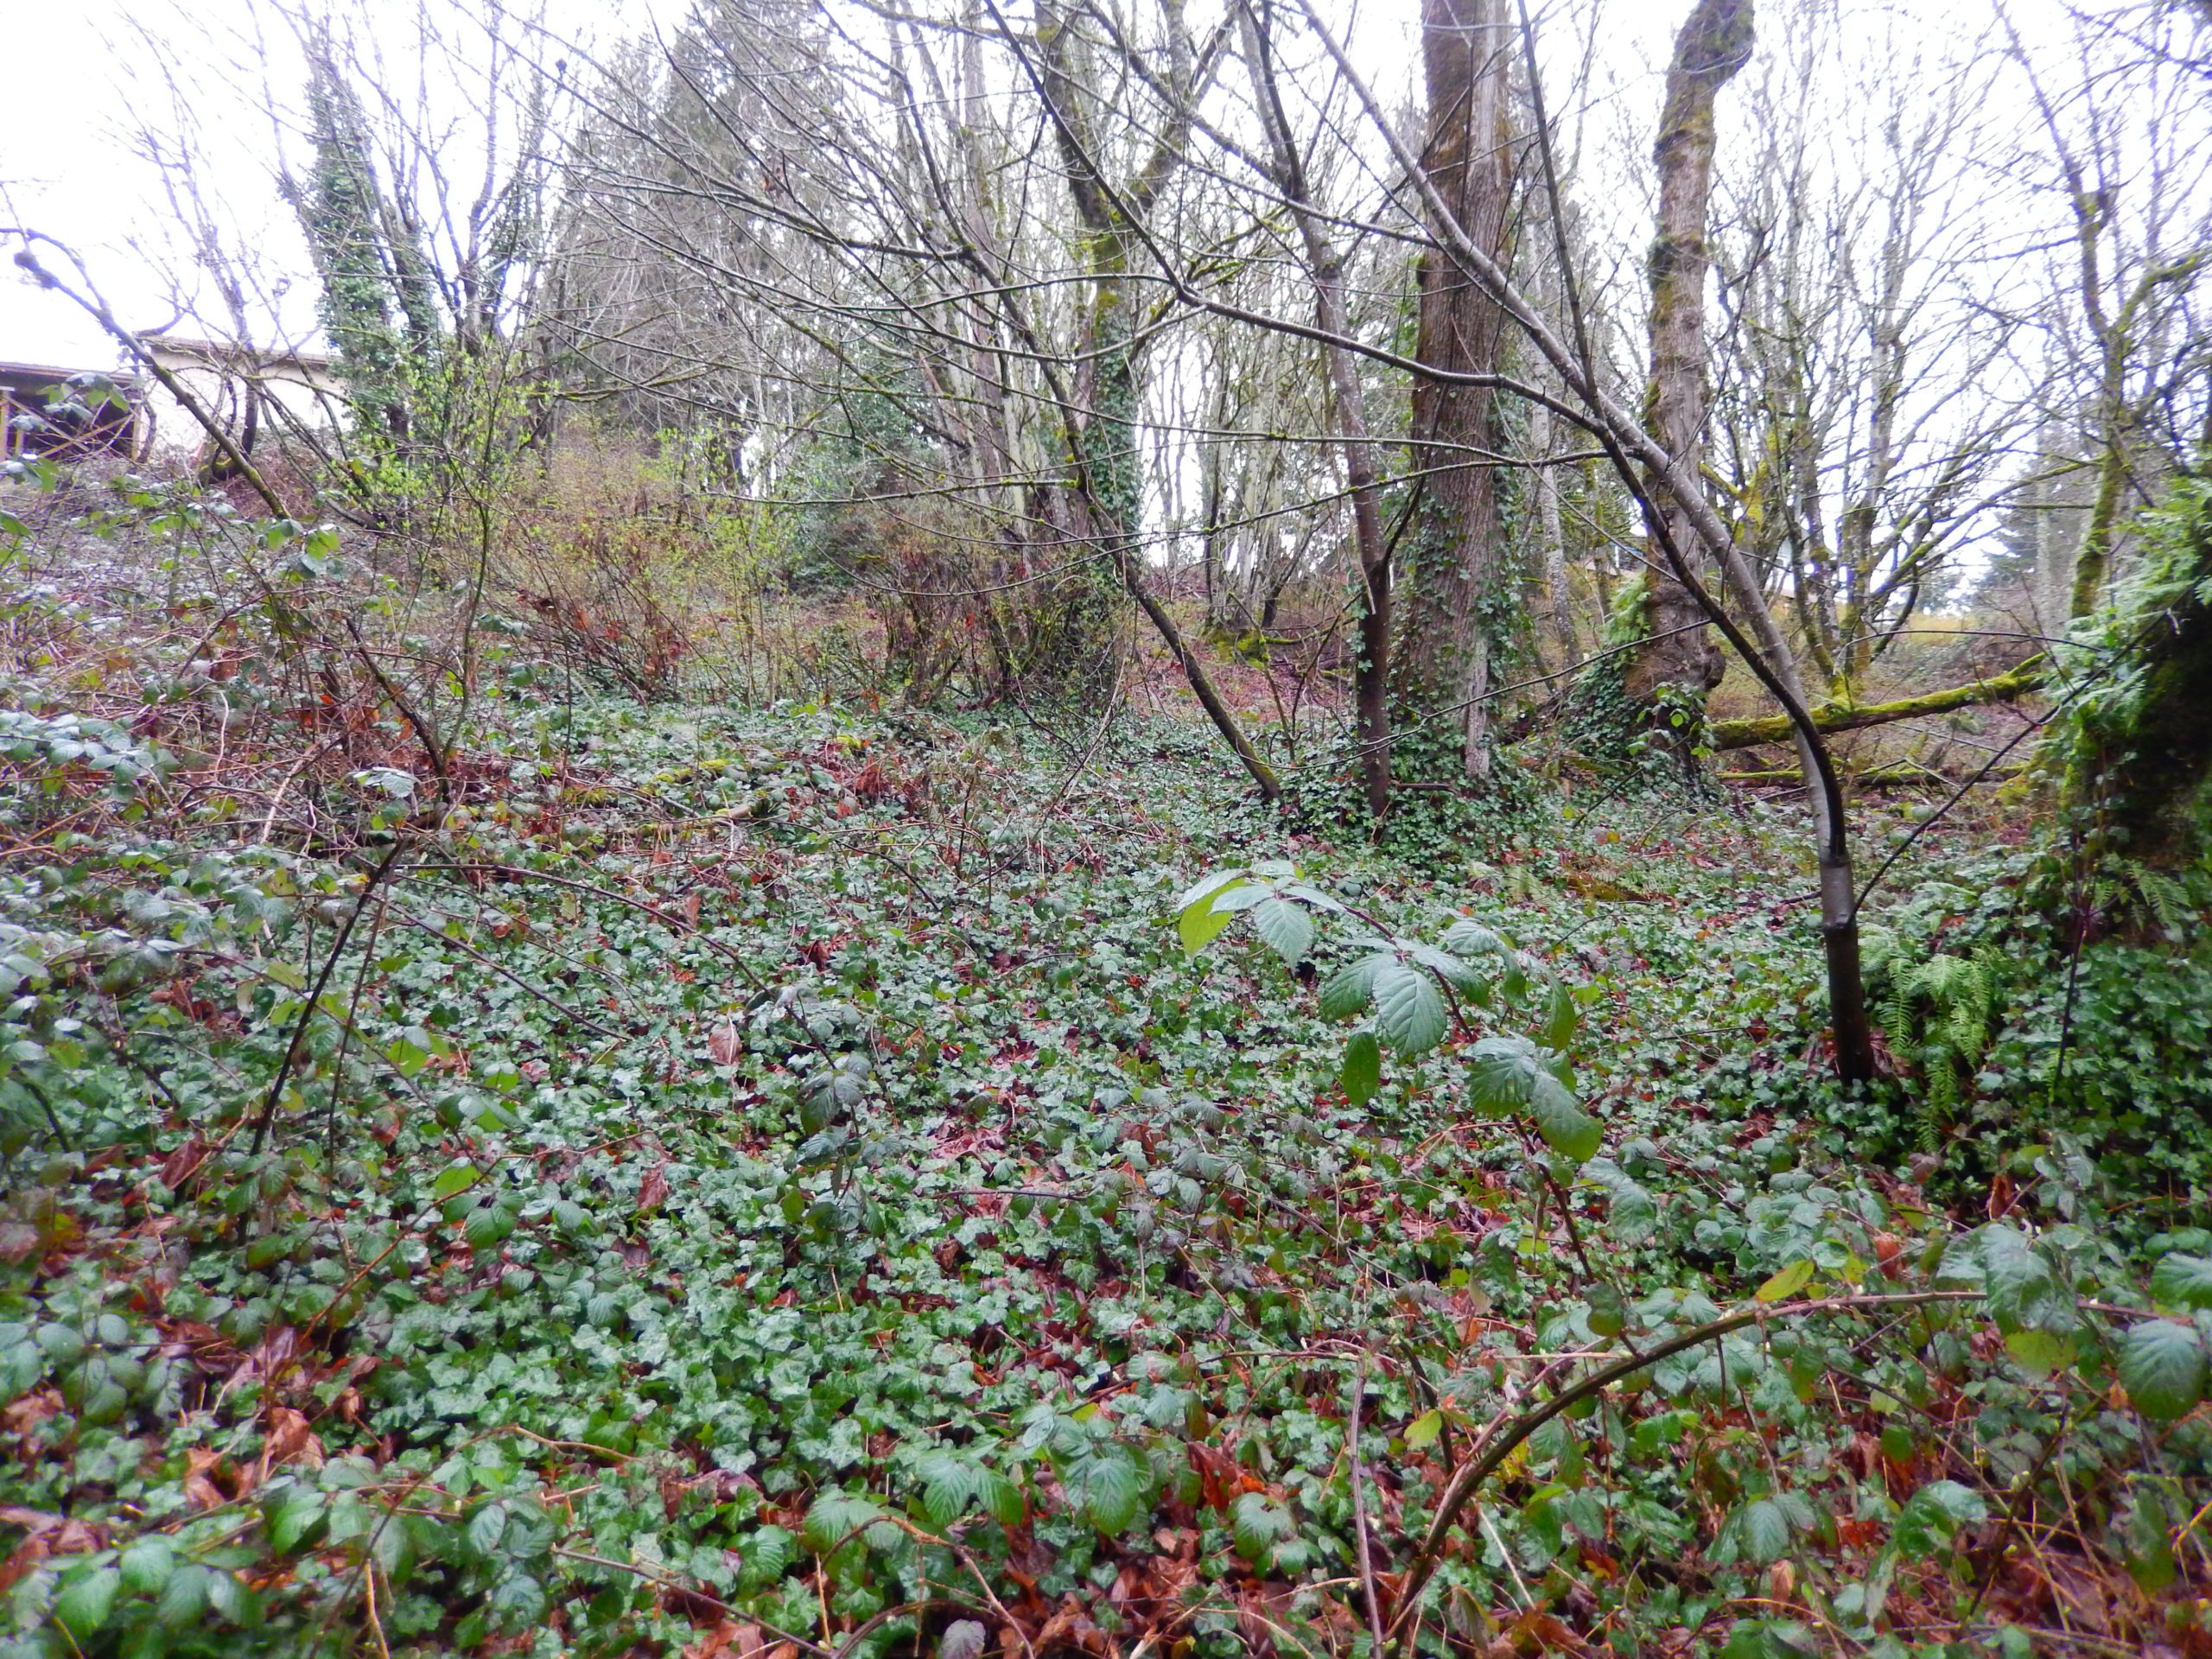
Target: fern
{"x":1939,"y":1011}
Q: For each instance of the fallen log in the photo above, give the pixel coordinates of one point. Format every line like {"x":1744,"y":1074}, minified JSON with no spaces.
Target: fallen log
{"x":1850,"y":717}
{"x":1875,"y":778}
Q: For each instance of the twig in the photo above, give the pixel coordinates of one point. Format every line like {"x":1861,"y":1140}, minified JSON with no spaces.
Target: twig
{"x":1359,"y":1514}
{"x":315,"y":998}
{"x":1464,"y":1485}
{"x":514,"y":979}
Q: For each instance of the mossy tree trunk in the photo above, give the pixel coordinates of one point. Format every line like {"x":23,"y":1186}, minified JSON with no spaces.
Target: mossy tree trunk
{"x":1099,"y":411}
{"x":2143,"y":753}
{"x":1713,"y":44}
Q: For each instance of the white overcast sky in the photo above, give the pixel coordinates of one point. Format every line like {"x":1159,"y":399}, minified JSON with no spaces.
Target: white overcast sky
{"x":79,"y":70}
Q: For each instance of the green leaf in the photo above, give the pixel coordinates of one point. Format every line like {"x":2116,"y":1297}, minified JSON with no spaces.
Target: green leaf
{"x":1633,"y":1214}
{"x":1499,"y":1073}
{"x":1424,"y":1429}
{"x":1108,"y":1486}
{"x":1200,"y":922}
{"x":518,"y":1602}
{"x":1608,"y":1314}
{"x":1001,"y":1498}
{"x":1656,"y":1433}
{"x":1362,"y":1074}
{"x":1467,"y":937}
{"x":1347,"y":991}
{"x":294,"y":1518}
{"x":768,"y":1555}
{"x":1787,"y":1283}
{"x":1408,"y":1008}
{"x":1286,"y":929}
{"x":2183,"y":1282}
{"x":949,"y":1485}
{"x":2039,"y":1353}
{"x":1933,"y":1514}
{"x":835,"y":1517}
{"x":1567,"y":1128}
{"x":1763,"y":1531}
{"x":486,"y":1527}
{"x":147,"y":1565}
{"x":84,"y":1606}
{"x":1203,"y":888}
{"x":487,"y":1224}
{"x":1561,"y":1018}
{"x":1258,"y":1526}
{"x":2162,"y":1367}
{"x":2024,"y":1292}
{"x":455,"y":1178}
{"x":184,"y":1598}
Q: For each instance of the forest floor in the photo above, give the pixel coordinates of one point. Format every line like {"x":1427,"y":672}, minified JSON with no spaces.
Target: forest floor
{"x":777,"y":1182}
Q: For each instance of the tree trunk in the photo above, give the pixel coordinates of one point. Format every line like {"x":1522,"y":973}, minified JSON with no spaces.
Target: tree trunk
{"x":1558,"y":597}
{"x":1101,"y":426}
{"x":1362,"y":466}
{"x":1713,"y":45}
{"x":1443,"y":647}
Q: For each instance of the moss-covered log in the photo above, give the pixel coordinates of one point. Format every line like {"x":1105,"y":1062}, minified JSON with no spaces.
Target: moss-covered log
{"x":1850,"y":717}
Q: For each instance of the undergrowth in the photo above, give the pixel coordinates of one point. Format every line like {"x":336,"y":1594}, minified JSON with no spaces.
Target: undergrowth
{"x":800,"y":1180}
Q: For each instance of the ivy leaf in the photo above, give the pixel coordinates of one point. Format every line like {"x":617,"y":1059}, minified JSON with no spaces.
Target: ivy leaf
{"x":1286,"y":929}
{"x":1408,"y":1008}
{"x":1347,"y":992}
{"x":2162,"y":1367}
{"x":2183,"y":1282}
{"x":1362,"y":1075}
{"x":1933,"y":1514}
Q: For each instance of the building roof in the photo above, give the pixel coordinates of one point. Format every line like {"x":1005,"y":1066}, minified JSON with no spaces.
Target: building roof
{"x":218,"y":351}
{"x":51,"y":373}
